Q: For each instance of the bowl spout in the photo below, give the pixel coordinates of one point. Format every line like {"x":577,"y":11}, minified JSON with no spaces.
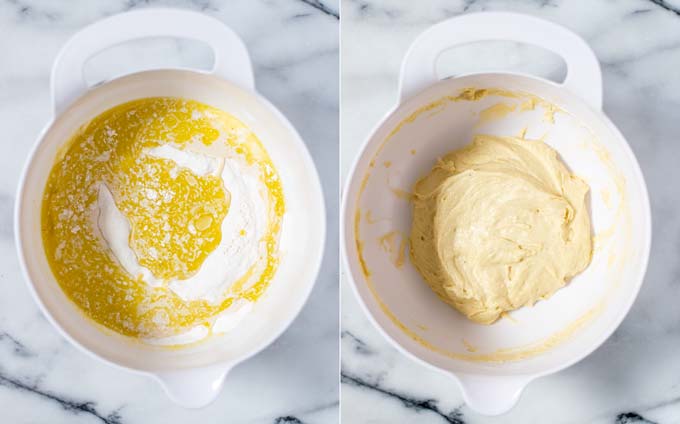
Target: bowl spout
{"x":492,"y":395}
{"x":194,"y":388}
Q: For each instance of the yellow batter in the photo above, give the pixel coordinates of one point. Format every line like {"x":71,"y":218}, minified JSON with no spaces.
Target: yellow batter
{"x":499,"y":225}
{"x":174,"y":214}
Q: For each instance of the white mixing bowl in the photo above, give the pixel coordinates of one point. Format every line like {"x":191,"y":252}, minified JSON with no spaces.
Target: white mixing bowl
{"x":494,"y":363}
{"x":192,"y":376}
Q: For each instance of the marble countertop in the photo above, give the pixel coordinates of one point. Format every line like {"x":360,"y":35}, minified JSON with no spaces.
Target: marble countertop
{"x":294,"y":48}
{"x":635,"y":376}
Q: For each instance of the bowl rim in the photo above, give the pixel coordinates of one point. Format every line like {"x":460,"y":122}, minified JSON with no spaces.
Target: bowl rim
{"x":315,"y":259}
{"x":347,"y":236}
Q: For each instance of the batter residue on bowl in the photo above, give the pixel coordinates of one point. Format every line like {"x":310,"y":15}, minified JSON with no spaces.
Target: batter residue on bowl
{"x":499,"y":225}
{"x":161,"y":219}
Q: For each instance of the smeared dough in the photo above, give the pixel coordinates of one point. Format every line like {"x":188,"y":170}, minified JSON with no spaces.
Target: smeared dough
{"x":499,"y":225}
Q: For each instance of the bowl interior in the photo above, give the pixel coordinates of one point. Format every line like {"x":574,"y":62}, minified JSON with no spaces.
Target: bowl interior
{"x":301,"y":241}
{"x":554,"y":332}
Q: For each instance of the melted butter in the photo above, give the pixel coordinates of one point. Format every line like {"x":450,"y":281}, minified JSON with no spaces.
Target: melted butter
{"x":163,"y":205}
{"x":469,"y":346}
{"x":175,"y":215}
{"x":606,"y":197}
{"x":394,"y":244}
{"x":472,"y":94}
{"x":370,"y":219}
{"x":509,"y":317}
{"x":360,"y":245}
{"x":494,"y":112}
{"x":401,"y":194}
{"x":388,"y":241}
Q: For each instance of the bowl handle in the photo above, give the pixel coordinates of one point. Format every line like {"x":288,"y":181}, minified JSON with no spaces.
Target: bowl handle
{"x":231,"y":57}
{"x":193,"y":388}
{"x":418,"y":72}
{"x":491,"y":395}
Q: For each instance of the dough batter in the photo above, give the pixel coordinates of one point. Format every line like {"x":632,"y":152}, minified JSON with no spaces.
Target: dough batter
{"x":499,"y":225}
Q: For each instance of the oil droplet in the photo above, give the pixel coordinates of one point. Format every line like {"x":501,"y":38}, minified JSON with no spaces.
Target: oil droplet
{"x":203,"y":223}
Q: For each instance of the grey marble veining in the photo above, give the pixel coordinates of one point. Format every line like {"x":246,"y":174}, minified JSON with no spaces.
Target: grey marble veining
{"x":294,"y":49}
{"x":635,"y":376}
